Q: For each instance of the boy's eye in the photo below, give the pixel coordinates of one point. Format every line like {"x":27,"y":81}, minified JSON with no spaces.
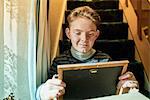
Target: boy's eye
{"x":91,"y":33}
{"x":77,"y":33}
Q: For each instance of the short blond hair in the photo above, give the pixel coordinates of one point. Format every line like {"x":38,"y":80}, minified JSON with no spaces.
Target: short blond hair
{"x":84,"y":11}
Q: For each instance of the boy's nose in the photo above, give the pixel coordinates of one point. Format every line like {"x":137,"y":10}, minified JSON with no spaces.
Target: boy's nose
{"x":84,"y":37}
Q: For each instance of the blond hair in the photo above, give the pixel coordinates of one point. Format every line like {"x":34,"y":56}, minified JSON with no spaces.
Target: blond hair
{"x":84,"y":11}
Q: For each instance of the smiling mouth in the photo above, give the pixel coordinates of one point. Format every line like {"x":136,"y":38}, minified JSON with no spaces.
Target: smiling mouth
{"x":83,"y":45}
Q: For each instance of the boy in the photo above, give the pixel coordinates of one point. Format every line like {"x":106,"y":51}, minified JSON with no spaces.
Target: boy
{"x":82,"y":31}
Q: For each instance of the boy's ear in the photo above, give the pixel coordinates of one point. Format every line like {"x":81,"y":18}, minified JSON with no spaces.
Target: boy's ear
{"x":98,"y":33}
{"x":67,"y":31}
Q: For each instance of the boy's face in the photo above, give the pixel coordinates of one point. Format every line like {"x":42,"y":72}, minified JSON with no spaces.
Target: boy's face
{"x":82,"y":33}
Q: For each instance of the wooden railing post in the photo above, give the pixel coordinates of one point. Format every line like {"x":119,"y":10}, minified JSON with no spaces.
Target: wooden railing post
{"x":126,"y":3}
{"x":139,"y":13}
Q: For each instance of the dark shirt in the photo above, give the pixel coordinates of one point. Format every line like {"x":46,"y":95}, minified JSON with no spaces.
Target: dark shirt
{"x":67,"y":58}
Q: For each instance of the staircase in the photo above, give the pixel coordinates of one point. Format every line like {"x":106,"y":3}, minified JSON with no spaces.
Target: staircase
{"x":113,"y":39}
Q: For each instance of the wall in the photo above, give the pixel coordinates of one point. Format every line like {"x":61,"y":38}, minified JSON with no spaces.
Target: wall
{"x":57,"y":9}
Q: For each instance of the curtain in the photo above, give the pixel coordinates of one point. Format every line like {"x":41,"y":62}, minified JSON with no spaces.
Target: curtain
{"x":43,"y":45}
{"x":17,"y":49}
{"x":24,"y":47}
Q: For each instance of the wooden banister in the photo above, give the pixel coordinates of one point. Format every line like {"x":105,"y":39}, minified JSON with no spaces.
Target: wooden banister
{"x":143,"y":46}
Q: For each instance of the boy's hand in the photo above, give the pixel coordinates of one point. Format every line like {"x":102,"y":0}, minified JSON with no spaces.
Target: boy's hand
{"x":52,"y":88}
{"x":127,"y":80}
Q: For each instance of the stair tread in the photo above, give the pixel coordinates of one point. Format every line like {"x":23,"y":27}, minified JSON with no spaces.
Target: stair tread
{"x":101,"y":10}
{"x":108,"y":23}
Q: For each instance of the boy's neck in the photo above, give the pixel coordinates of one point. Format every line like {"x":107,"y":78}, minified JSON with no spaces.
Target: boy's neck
{"x":82,"y":56}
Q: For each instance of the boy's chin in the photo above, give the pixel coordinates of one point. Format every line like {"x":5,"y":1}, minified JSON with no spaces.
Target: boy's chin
{"x":83,"y":51}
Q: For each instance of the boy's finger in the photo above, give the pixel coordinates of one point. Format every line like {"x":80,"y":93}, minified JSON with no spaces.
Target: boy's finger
{"x":125,"y":76}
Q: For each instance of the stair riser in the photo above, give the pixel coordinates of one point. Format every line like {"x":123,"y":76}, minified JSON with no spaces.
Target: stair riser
{"x":106,"y":16}
{"x":109,"y":31}
{"x":104,"y":4}
{"x":118,"y":50}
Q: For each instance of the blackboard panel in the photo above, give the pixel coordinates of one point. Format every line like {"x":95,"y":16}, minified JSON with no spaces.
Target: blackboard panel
{"x":91,"y":83}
